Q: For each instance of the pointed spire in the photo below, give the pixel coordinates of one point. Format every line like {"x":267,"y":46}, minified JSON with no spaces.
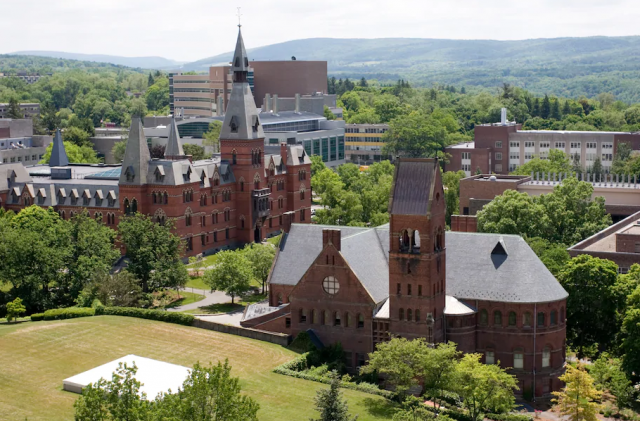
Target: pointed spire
{"x":174,"y":144}
{"x":240,"y":61}
{"x":58,"y":153}
{"x":135,"y":165}
{"x":241,"y":120}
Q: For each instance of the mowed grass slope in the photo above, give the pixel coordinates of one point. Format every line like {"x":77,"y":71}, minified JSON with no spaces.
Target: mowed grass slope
{"x":36,"y":356}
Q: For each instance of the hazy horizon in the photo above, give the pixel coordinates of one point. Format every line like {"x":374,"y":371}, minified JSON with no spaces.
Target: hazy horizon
{"x":196,"y":29}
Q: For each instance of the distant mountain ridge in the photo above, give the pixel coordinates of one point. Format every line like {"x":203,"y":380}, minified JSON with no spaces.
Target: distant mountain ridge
{"x":142,"y":62}
{"x":568,"y":67}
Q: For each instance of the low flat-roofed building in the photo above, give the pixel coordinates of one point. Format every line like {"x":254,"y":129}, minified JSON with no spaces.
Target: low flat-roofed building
{"x":619,"y":243}
{"x":28,"y":109}
{"x":364,"y":143}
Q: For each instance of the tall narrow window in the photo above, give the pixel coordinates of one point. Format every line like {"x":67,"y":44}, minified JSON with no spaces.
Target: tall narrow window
{"x":541,"y":319}
{"x":512,"y":318}
{"x":360,"y":321}
{"x":409,"y":315}
{"x":546,"y":357}
{"x":497,"y":318}
{"x":401,"y":314}
{"x":417,"y":315}
{"x":518,"y":359}
{"x":526,"y":319}
{"x":484,"y":317}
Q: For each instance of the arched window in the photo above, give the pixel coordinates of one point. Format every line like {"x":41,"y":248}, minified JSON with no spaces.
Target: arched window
{"x":512,"y":318}
{"x":347,"y":319}
{"x":336,"y":318}
{"x":360,"y":321}
{"x":526,"y":319}
{"x":404,"y":241}
{"x":417,"y":315}
{"x":484,"y":317}
{"x":415,"y":242}
{"x":233,"y":157}
{"x":489,"y":357}
{"x":541,"y":319}
{"x":166,"y":198}
{"x":401,"y":314}
{"x":497,"y":318}
{"x":127,"y":208}
{"x":241,"y":184}
{"x":327,"y":318}
{"x":187,"y":217}
{"x":409,"y":315}
{"x":303,"y":316}
{"x":241,"y":222}
{"x":546,"y":357}
{"x":256,"y":182}
{"x":134,"y":206}
{"x":155,"y":198}
{"x":302,"y":192}
{"x":554,"y":318}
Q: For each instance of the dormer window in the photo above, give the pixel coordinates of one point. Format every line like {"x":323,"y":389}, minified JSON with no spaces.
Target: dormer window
{"x":130,"y":174}
{"x":159,"y":173}
{"x":86,"y":198}
{"x":98,"y":197}
{"x":234,"y":124}
{"x":186,"y":174}
{"x":111,"y":198}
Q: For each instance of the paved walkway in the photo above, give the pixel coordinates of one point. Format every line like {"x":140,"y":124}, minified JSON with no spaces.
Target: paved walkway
{"x":232,"y":319}
{"x":216,"y":297}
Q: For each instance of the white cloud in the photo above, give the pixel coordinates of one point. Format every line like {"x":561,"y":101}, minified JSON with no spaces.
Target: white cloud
{"x":194,"y":29}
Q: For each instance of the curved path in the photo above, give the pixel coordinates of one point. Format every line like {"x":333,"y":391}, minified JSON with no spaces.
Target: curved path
{"x":216,"y":297}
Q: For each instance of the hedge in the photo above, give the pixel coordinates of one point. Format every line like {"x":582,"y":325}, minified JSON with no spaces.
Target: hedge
{"x":300,"y":363}
{"x":68,"y":313}
{"x":509,"y":417}
{"x":143,"y":313}
{"x":36,"y":317}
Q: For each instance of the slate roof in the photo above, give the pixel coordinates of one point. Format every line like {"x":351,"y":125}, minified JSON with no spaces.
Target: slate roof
{"x":136,"y":155}
{"x":413,"y":186}
{"x":473,"y":273}
{"x":518,"y":277}
{"x":360,"y":247}
{"x":174,"y":145}
{"x":58,"y":153}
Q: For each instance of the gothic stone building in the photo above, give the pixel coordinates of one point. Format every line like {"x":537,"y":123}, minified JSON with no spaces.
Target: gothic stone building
{"x":359,"y":286}
{"x":239,"y":196}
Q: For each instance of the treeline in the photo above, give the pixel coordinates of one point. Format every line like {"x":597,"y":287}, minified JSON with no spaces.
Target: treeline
{"x":49,"y":262}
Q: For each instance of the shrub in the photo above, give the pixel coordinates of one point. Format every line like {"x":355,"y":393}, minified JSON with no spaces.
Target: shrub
{"x":36,"y":317}
{"x":302,"y":343}
{"x":294,"y":368}
{"x":68,"y":313}
{"x":508,"y":417}
{"x":159,"y":315}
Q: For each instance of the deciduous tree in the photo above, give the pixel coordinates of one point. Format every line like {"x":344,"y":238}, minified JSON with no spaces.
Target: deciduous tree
{"x":261,"y":257}
{"x":577,"y":399}
{"x":76,"y":154}
{"x":231,"y":274}
{"x":484,"y":387}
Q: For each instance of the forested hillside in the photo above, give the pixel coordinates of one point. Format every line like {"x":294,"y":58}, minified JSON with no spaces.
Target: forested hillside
{"x":568,"y":67}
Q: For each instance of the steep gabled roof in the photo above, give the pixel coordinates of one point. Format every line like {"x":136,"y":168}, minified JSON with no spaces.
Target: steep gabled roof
{"x":413,"y":185}
{"x":136,"y":156}
{"x":58,"y":153}
{"x":174,"y":144}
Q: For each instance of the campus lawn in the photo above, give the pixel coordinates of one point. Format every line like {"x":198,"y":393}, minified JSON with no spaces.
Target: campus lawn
{"x":197,"y":283}
{"x":187,"y":298}
{"x":37,"y":356}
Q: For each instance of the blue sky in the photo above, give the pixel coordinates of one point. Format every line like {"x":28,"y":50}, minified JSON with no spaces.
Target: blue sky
{"x":188,"y":30}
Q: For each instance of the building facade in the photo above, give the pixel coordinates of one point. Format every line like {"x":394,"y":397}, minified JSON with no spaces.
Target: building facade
{"x":207,"y":95}
{"x":619,"y":243}
{"x":28,"y":109}
{"x":364,"y":143}
{"x":488,"y":293}
{"x":239,"y":196}
{"x":18,"y":144}
{"x":502,"y":147}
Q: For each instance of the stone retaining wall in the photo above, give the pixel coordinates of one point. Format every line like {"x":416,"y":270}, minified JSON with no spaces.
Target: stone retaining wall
{"x":276,"y":338}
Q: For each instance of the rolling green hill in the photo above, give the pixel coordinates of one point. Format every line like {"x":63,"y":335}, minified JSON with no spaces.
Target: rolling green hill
{"x":561,"y":66}
{"x":142,"y":62}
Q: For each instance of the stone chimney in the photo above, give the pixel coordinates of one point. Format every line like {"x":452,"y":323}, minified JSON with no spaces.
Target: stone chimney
{"x":331,"y":236}
{"x":267,"y":103}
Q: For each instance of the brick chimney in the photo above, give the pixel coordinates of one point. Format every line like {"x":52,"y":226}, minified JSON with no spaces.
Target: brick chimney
{"x":287,"y":220}
{"x":464,"y":223}
{"x":331,"y":236}
{"x":283,"y":153}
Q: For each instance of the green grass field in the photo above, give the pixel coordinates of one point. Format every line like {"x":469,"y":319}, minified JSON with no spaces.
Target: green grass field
{"x":197,"y":283}
{"x":37,"y":356}
{"x":187,"y":298}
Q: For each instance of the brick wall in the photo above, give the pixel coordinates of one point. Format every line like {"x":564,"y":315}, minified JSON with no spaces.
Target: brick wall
{"x":464,"y":223}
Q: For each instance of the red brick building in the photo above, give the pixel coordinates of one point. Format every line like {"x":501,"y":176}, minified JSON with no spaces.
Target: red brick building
{"x":239,"y":196}
{"x":360,"y":286}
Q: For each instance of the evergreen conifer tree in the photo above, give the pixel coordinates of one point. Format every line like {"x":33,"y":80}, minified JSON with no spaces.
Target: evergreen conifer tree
{"x":555,"y":110}
{"x":14,"y":110}
{"x":545,"y":109}
{"x":330,"y":403}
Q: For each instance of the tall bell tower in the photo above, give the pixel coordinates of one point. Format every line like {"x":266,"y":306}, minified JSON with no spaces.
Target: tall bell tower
{"x":242,"y":146}
{"x":417,"y":253}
